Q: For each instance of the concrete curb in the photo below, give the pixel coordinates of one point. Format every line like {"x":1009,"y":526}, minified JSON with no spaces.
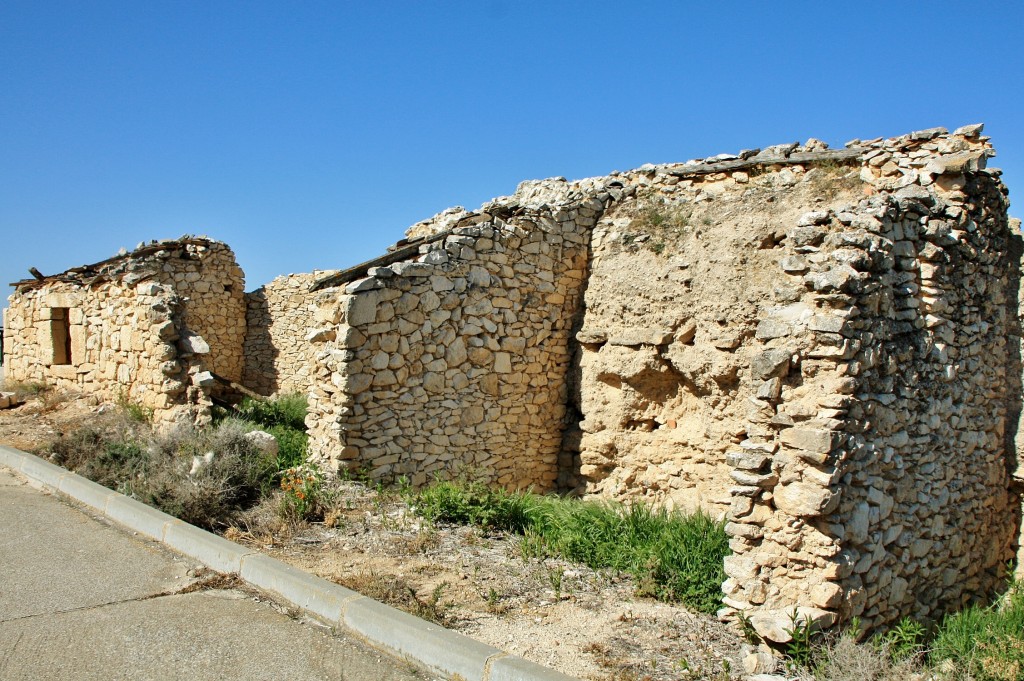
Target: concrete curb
{"x":430,"y":645}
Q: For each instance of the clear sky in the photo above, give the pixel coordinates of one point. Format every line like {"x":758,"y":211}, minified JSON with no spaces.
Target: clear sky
{"x":311,"y":134}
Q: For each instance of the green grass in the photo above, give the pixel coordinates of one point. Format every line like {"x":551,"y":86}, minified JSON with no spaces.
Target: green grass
{"x":984,"y":642}
{"x":287,"y":410}
{"x":981,"y":643}
{"x":674,"y":557}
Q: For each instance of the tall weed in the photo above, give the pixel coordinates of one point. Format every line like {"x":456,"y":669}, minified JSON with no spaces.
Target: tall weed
{"x":287,"y":410}
{"x":158,"y":470}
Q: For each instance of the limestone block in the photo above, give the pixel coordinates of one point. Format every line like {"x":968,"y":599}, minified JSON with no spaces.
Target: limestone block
{"x":804,"y":499}
{"x":263,"y":441}
{"x":637,"y":337}
{"x":502,"y":362}
{"x":361,"y":309}
{"x":776,"y":625}
{"x":193,"y":343}
{"x":811,"y":440}
{"x":165,"y":331}
{"x":365,"y":284}
{"x":772,"y":328}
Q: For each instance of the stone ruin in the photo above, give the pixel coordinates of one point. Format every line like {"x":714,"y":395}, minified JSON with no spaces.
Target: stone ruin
{"x":821,"y":346}
{"x":149,"y":327}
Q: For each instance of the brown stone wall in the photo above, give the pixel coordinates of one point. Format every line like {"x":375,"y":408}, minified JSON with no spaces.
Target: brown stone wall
{"x":212,"y":285}
{"x":875,"y":483}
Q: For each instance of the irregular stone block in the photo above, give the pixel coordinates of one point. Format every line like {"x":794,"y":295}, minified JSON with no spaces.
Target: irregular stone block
{"x":772,"y":328}
{"x":747,"y":460}
{"x":367,"y":284}
{"x":795,"y":264}
{"x":591,"y":336}
{"x":803,"y":499}
{"x":635,"y":337}
{"x":812,"y":440}
{"x":776,"y":625}
{"x":774,"y":362}
{"x":745,"y":477}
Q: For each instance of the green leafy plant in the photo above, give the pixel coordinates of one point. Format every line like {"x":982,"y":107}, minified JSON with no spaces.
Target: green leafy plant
{"x":287,"y":410}
{"x":984,"y":643}
{"x":133,"y":410}
{"x":283,"y":417}
{"x":801,"y":650}
{"x":905,"y":640}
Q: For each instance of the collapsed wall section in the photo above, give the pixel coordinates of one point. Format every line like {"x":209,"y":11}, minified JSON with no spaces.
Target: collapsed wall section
{"x":456,"y":361}
{"x":129,"y":328}
{"x":874,"y":478}
{"x":278,"y":318}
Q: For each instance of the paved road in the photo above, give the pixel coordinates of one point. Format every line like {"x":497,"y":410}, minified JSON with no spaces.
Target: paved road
{"x":81,"y":598}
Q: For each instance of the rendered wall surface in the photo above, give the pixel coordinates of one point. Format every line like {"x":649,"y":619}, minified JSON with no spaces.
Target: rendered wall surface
{"x":681,"y":274}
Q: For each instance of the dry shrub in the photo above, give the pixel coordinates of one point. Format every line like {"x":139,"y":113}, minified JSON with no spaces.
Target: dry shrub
{"x":237,"y":476}
{"x":123,"y":454}
{"x":85,"y":449}
{"x":847,"y":660}
{"x":398,"y":593}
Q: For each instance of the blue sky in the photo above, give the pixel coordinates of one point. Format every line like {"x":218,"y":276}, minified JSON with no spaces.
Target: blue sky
{"x":311,"y":134}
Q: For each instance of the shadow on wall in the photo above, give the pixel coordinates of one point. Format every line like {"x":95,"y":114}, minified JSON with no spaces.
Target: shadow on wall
{"x":1014,"y":404}
{"x":260,"y":353}
{"x":570,"y":480}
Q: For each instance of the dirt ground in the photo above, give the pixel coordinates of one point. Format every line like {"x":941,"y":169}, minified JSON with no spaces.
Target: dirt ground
{"x":582,"y":622}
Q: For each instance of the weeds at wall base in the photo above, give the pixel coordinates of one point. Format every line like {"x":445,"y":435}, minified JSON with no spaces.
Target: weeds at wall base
{"x":981,"y":643}
{"x":203,"y":476}
{"x":673,"y":557}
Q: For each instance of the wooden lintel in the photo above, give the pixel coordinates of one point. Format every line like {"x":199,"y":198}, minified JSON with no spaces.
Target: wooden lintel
{"x":834,"y":155}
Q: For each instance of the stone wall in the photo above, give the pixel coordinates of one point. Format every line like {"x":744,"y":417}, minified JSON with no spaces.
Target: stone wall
{"x":130,"y":327}
{"x":874,"y":478}
{"x":457,"y":360}
{"x":278,"y":354}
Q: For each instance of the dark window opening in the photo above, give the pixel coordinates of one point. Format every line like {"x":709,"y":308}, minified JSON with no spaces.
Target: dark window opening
{"x":60,"y":335}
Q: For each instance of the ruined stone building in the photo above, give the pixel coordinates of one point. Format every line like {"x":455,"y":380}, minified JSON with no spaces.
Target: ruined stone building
{"x":147,"y":327}
{"x":820,"y":345}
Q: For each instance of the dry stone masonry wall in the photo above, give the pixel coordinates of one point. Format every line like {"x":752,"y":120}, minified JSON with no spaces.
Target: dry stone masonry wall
{"x":457,"y":359}
{"x":132,"y":328}
{"x":873,"y":481}
{"x":278,"y":353}
{"x":814,"y":343}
